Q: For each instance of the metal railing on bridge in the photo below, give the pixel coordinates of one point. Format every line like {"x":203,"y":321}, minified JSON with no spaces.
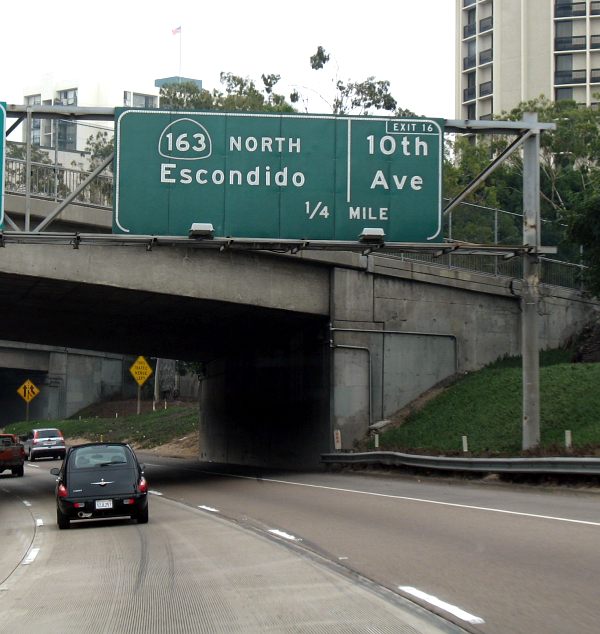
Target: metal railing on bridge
{"x":58,"y":182}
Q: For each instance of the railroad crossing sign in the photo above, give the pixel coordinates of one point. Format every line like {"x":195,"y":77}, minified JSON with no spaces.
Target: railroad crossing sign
{"x":2,"y":159}
{"x":313,"y":177}
{"x":140,"y":370}
{"x":28,"y":391}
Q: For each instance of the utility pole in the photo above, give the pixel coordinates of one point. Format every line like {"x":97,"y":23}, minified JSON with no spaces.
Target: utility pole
{"x":531,"y":280}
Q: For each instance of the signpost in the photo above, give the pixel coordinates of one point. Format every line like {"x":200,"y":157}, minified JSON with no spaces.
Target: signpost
{"x":140,"y":371}
{"x":2,"y":159}
{"x":313,"y":177}
{"x":28,"y":391}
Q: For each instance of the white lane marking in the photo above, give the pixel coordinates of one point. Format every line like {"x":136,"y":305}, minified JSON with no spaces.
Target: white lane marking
{"x":285,"y":535}
{"x":410,"y":499}
{"x":39,"y":522}
{"x":210,"y":509}
{"x":26,"y":503}
{"x":33,"y":466}
{"x":152,"y":492}
{"x":31,"y":555}
{"x":448,"y":607}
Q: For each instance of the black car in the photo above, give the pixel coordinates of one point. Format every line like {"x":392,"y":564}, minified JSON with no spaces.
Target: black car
{"x":100,"y":481}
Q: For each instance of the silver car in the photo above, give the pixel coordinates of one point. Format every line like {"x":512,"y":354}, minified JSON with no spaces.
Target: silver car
{"x":45,"y":442}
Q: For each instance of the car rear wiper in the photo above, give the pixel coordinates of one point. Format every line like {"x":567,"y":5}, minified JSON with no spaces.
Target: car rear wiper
{"x":107,"y":464}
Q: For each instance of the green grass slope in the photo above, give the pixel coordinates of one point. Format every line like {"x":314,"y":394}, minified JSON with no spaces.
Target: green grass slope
{"x":144,"y":430}
{"x":486,"y":406}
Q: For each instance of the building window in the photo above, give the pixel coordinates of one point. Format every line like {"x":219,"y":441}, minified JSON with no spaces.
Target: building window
{"x":67,"y":135}
{"x":139,"y":100}
{"x":564,"y":62}
{"x":67,"y":97}
{"x":470,"y":27}
{"x":471,"y":111}
{"x":36,"y":124}
{"x":564,"y":94}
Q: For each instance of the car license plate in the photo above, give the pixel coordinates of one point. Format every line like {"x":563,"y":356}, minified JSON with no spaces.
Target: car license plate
{"x":104,"y":504}
{"x":50,"y":442}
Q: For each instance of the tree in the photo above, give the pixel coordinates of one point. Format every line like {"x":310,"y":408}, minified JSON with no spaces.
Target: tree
{"x":584,"y":229}
{"x":100,"y":147}
{"x":239,"y":94}
{"x":351,"y":97}
{"x":569,"y":169}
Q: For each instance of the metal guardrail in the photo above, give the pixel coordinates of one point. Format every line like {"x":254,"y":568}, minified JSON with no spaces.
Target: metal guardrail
{"x":563,"y":465}
{"x":56,"y":183}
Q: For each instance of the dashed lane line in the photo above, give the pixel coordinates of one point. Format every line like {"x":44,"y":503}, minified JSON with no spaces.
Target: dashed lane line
{"x":443,"y":605}
{"x":30,"y":557}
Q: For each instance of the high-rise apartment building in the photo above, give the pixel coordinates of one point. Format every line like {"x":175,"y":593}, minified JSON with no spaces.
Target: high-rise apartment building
{"x":509,"y":51}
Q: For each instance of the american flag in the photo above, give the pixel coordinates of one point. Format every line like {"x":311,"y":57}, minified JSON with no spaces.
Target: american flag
{"x":177,"y":30}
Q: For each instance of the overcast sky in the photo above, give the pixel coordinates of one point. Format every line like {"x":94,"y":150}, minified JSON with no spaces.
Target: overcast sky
{"x":408,"y":42}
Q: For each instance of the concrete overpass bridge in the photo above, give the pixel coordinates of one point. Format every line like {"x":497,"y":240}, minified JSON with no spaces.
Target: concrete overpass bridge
{"x":294,"y":346}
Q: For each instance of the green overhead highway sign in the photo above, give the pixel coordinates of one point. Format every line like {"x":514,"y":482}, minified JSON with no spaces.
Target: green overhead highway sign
{"x":2,"y":159}
{"x":313,"y":177}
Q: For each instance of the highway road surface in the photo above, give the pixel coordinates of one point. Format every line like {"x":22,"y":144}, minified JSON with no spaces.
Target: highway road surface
{"x":231,"y":550}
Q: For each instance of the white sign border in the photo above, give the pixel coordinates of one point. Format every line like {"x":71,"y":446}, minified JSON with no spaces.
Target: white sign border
{"x":349,"y":121}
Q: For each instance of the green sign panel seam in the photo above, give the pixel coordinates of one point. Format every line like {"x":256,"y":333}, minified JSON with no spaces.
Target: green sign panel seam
{"x":315,"y":177}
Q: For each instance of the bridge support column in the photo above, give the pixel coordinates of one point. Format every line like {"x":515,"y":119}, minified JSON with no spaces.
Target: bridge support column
{"x":376,"y":368}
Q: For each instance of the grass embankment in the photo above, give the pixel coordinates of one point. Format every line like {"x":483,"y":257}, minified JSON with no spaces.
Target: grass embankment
{"x":145,"y":430}
{"x":486,"y":406}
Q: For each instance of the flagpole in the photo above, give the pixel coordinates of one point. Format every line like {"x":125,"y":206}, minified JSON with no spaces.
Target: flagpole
{"x":179,"y":54}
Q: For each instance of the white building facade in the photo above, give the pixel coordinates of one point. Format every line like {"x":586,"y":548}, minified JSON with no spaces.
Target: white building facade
{"x":69,"y":136}
{"x":508,"y":51}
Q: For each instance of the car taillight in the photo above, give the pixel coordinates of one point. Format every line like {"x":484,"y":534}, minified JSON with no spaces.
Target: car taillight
{"x":62,"y":491}
{"x":35,"y":441}
{"x":142,"y":485}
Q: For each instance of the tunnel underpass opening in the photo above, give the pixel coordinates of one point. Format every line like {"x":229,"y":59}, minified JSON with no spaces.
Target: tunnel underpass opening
{"x":267,"y":403}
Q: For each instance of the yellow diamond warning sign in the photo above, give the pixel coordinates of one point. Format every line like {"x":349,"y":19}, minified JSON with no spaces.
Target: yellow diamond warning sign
{"x":140,"y":370}
{"x":28,"y":391}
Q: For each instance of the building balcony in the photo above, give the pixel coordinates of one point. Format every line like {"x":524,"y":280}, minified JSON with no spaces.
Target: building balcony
{"x":469,"y":94}
{"x":572,"y":10}
{"x":485,"y":89}
{"x":485,"y":57}
{"x":469,"y":62}
{"x":595,"y":76}
{"x":486,"y":24}
{"x":569,"y":77}
{"x":469,"y":30}
{"x":573,"y":43}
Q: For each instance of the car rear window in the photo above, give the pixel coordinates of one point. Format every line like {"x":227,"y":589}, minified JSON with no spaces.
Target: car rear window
{"x":48,"y":433}
{"x":99,"y":456}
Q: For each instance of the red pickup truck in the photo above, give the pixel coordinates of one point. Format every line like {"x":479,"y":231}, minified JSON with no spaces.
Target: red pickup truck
{"x":12,"y":454}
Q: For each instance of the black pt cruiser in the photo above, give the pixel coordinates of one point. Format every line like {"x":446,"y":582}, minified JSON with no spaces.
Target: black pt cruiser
{"x":100,"y":481}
